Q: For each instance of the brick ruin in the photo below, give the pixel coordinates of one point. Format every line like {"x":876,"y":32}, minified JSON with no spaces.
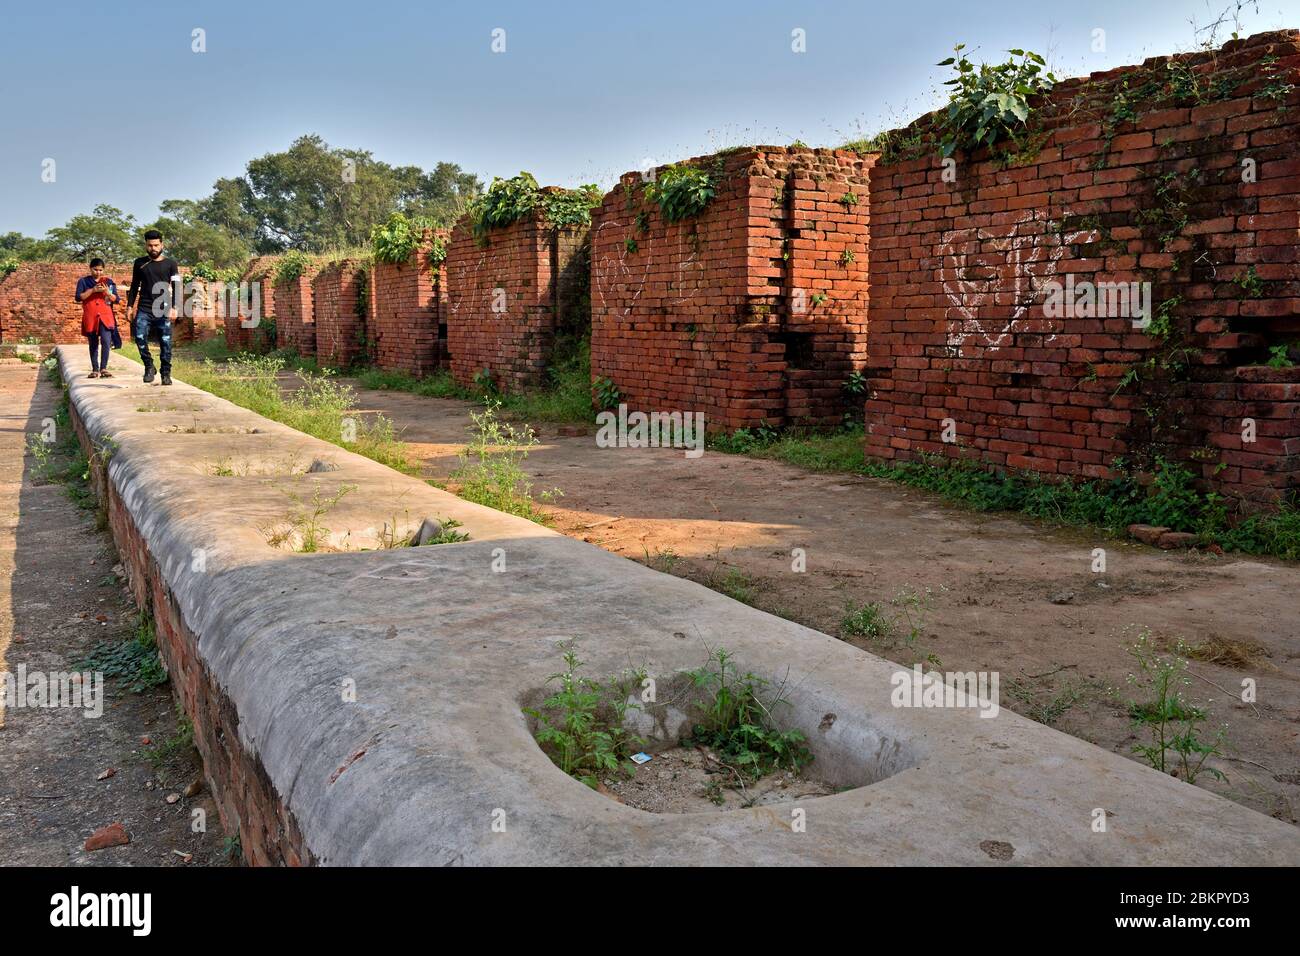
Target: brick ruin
{"x":1177,"y":173}
{"x":512,"y":295}
{"x":1126,"y":181}
{"x":339,"y":300}
{"x":241,"y":335}
{"x":406,"y":311}
{"x":295,"y":317}
{"x":38,"y":301}
{"x":754,"y":311}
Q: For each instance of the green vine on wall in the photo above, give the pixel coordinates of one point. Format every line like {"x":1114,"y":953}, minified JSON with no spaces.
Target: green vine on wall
{"x":292,"y":266}
{"x":508,"y":200}
{"x":437,"y":252}
{"x":397,"y":238}
{"x":681,"y":191}
{"x":990,"y":103}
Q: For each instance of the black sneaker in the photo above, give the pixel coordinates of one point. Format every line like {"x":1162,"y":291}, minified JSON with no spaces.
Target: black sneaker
{"x":166,"y":379}
{"x":148,"y":375}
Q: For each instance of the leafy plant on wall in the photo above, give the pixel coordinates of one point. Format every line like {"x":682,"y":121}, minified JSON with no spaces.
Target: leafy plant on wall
{"x":990,"y":102}
{"x":398,"y":237}
{"x":292,"y":265}
{"x":681,"y":191}
{"x":509,"y":200}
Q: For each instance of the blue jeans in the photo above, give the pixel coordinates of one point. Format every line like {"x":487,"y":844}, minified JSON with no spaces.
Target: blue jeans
{"x":146,"y":326}
{"x":101,"y":343}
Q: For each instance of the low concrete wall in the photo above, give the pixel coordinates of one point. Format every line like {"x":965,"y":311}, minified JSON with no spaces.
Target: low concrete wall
{"x":442,"y":645}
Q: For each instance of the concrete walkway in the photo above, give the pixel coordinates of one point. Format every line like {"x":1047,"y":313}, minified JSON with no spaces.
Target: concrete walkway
{"x":429,"y":759}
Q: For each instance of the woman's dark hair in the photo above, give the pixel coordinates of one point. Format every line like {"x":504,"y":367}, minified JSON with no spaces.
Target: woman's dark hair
{"x":153,"y":234}
{"x":96,"y":262}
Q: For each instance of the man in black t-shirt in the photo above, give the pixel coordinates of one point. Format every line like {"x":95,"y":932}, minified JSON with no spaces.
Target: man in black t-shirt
{"x":155,"y":286}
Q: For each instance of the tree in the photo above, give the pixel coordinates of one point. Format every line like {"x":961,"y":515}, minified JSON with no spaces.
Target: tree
{"x":191,"y":240}
{"x":106,"y":232}
{"x":316,"y":197}
{"x":16,"y":247}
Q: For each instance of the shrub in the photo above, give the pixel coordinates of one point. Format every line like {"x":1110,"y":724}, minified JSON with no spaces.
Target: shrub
{"x":508,"y":200}
{"x":738,"y":723}
{"x":580,"y":726}
{"x":991,"y":102}
{"x":397,"y":238}
{"x":681,"y":191}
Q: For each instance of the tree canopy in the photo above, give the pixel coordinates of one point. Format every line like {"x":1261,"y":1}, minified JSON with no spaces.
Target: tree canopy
{"x":312,"y":197}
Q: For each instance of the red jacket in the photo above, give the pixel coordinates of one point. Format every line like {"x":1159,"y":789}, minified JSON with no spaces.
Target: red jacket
{"x":96,"y":310}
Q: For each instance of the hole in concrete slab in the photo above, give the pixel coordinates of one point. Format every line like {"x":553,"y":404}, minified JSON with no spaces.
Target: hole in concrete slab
{"x":688,"y":774}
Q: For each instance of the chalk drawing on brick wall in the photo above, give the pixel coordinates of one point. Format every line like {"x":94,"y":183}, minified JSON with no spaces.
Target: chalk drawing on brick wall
{"x":992,"y":279}
{"x":614,"y":270}
{"x":630,"y":270}
{"x":459,"y":293}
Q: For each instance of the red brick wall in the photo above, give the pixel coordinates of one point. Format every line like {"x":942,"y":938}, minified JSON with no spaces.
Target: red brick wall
{"x":340,"y":327}
{"x":406,"y":312}
{"x":746,"y":312}
{"x":295,"y":317}
{"x":529,"y":261}
{"x":959,"y":271}
{"x":261,"y":270}
{"x":247,"y":801}
{"x":207,"y":308}
{"x":38,"y":301}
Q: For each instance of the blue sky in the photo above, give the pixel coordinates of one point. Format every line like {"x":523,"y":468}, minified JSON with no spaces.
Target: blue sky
{"x":582,"y":93}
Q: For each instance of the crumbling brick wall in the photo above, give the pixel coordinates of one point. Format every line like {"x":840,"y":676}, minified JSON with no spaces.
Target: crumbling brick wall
{"x":38,"y":301}
{"x":241,"y":334}
{"x":511,"y":295}
{"x":206,"y":307}
{"x":407,"y":309}
{"x":338,"y":293}
{"x":295,"y":317}
{"x":752,"y":311}
{"x":247,"y":802}
{"x":1180,"y":172}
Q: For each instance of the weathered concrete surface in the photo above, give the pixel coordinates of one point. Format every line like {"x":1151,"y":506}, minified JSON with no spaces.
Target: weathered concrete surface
{"x":442,"y":649}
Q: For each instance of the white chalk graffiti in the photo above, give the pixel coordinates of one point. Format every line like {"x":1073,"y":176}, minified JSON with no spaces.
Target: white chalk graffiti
{"x":622,"y":274}
{"x":992,"y":279}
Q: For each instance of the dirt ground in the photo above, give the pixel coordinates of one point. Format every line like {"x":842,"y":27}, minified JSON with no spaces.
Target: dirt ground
{"x":692,"y":780}
{"x":59,"y":597}
{"x":963,"y":590}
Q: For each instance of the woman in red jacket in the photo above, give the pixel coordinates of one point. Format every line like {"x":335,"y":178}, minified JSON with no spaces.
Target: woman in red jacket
{"x":97,"y":293}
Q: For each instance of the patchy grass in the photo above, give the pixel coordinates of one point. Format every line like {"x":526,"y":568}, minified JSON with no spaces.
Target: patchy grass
{"x":135,"y":661}
{"x":1227,"y":653}
{"x":865,"y":620}
{"x":320,"y":405}
{"x":733,"y":582}
{"x":1168,"y":496}
{"x":491,"y":466}
{"x":566,"y":399}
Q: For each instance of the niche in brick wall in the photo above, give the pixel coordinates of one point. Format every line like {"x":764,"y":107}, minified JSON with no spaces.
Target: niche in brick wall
{"x":518,"y":299}
{"x":753,"y":311}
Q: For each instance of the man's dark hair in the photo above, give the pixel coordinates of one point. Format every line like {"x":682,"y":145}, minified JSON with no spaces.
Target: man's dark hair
{"x":153,"y":234}
{"x":96,"y":262}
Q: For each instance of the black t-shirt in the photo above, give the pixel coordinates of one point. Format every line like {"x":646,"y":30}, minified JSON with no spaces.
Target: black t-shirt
{"x":146,"y":276}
